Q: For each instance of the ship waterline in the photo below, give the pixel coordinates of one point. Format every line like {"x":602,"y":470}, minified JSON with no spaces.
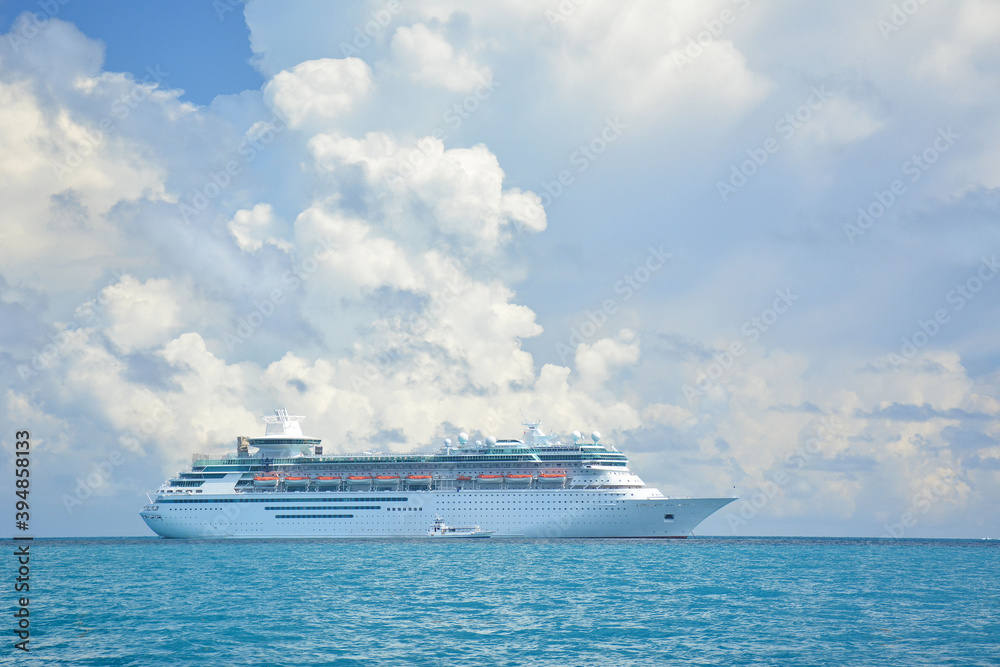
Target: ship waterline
{"x":535,"y":487}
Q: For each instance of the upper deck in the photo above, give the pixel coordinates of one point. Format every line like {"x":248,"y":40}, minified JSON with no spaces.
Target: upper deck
{"x":284,"y":446}
{"x":568,"y":455}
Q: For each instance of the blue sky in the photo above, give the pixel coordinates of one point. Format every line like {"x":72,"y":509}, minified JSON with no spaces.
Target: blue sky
{"x":205,"y":49}
{"x":752,"y":243}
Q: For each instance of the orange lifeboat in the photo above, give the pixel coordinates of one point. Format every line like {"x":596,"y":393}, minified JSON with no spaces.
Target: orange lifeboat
{"x":266,"y":481}
{"x":386,"y":481}
{"x":297,"y":482}
{"x":464,"y":478}
{"x":519,"y":479}
{"x":359,"y":480}
{"x":489,"y":479}
{"x":327,"y":482}
{"x":552,"y":478}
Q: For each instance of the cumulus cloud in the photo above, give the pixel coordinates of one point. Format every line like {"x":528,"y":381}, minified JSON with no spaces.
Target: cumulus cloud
{"x":254,"y":227}
{"x":455,"y":192}
{"x":317,"y":92}
{"x":375,"y":275}
{"x":141,"y":315}
{"x":428,"y":58}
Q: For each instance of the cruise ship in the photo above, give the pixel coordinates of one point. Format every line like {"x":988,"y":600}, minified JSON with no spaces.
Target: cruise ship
{"x":281,"y":485}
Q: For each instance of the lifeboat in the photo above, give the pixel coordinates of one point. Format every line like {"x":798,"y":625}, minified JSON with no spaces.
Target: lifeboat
{"x":386,"y":481}
{"x":327,"y":482}
{"x":489,"y":479}
{"x":519,"y":479}
{"x":359,"y":480}
{"x":422,"y":481}
{"x":463,"y":478}
{"x":552,"y":478}
{"x":265,"y":481}
{"x":297,"y":482}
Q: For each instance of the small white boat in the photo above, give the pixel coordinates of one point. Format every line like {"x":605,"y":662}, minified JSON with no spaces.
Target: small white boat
{"x":441,"y":529}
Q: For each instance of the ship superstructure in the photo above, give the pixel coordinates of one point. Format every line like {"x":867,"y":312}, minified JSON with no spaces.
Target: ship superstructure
{"x":532,"y":487}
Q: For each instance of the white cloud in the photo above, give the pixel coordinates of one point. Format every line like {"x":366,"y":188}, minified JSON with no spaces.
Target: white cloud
{"x":428,"y":58}
{"x":142,"y":315}
{"x":410,"y":303}
{"x":840,"y":121}
{"x":59,"y":177}
{"x":254,"y":227}
{"x":460,"y":189}
{"x":356,"y":259}
{"x":317,"y":92}
{"x":596,"y":362}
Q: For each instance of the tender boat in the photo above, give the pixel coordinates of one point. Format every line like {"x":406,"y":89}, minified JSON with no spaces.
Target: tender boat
{"x":441,"y":529}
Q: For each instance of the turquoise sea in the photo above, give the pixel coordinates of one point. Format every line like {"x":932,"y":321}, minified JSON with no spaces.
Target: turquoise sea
{"x":701,"y":601}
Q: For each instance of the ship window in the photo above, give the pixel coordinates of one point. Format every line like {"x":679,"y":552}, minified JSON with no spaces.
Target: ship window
{"x":668,"y":517}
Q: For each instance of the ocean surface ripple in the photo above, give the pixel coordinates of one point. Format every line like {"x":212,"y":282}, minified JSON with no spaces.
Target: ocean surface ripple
{"x":702,"y":601}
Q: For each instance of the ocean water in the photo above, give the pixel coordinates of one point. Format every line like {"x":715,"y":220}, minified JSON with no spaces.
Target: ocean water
{"x":701,"y":601}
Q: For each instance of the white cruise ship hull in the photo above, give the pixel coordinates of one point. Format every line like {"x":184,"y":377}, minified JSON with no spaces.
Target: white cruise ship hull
{"x":535,"y":488}
{"x":401,"y":514}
